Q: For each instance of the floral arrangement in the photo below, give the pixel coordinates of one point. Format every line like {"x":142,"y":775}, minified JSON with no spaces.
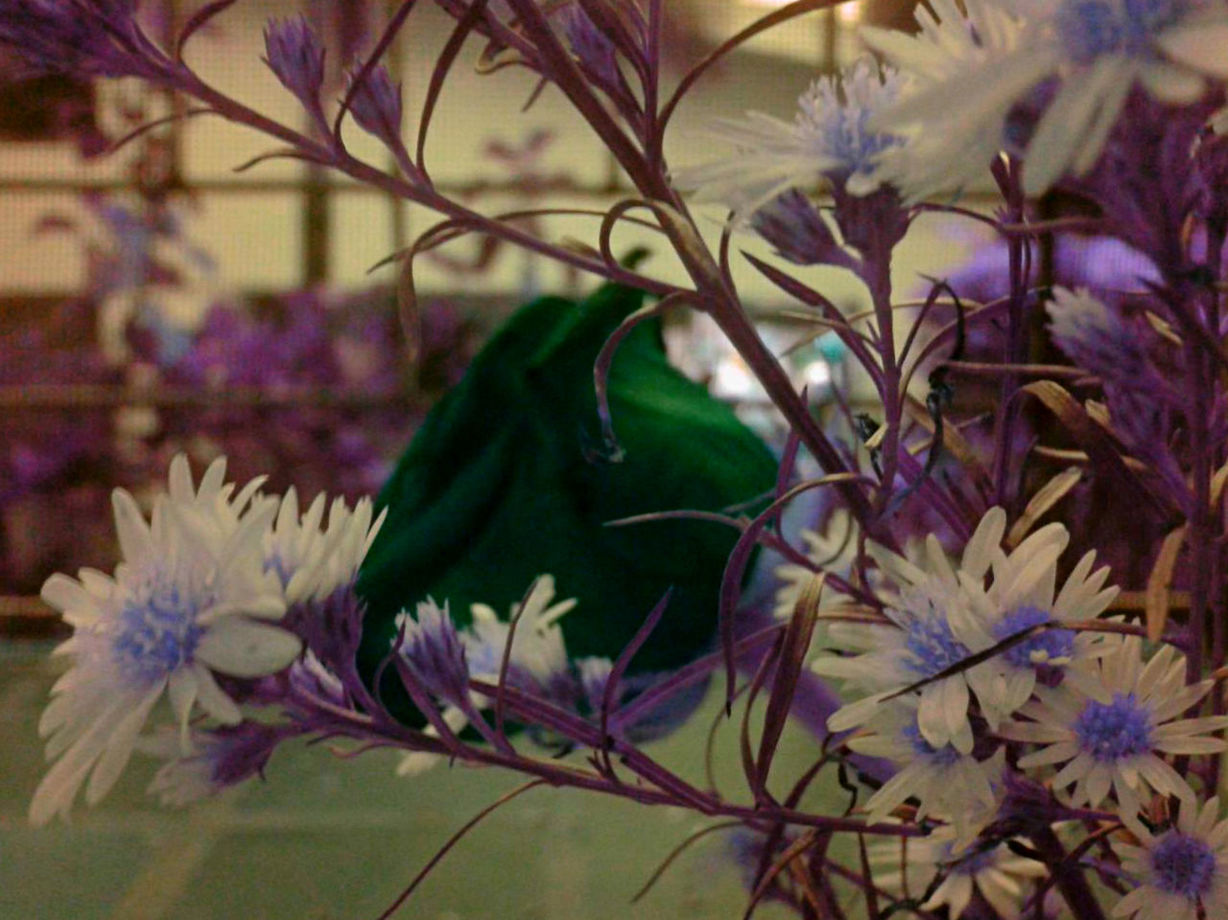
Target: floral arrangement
{"x":1022,"y":732}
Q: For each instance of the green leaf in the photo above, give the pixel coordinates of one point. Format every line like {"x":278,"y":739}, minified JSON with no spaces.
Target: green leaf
{"x":505,"y":481}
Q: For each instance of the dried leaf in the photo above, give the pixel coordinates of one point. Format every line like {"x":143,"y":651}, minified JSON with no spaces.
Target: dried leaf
{"x":1045,"y":498}
{"x":1162,"y":327}
{"x":1058,"y":453}
{"x":793,"y":651}
{"x":1217,"y":484}
{"x":1093,"y":438}
{"x":1156,"y":605}
{"x":1098,"y":412}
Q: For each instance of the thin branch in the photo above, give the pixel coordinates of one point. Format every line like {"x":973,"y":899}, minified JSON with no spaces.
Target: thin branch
{"x":453,"y":841}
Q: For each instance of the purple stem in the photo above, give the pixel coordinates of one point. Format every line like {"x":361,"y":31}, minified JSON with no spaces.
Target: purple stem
{"x":1016,"y":348}
{"x":1068,"y":876}
{"x":876,"y":273}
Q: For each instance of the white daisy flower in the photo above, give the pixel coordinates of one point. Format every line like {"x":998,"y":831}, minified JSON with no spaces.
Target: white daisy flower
{"x":832,"y":550}
{"x":187,"y":602}
{"x":1099,"y":50}
{"x":962,"y":76}
{"x":933,"y":621}
{"x":312,"y":562}
{"x":1111,"y":720}
{"x":948,"y":785}
{"x":1023,"y":594}
{"x":828,"y":138}
{"x":538,"y":653}
{"x":910,"y":865}
{"x":1183,"y":871}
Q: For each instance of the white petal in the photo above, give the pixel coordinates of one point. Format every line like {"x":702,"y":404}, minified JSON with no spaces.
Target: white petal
{"x":179,"y":480}
{"x":119,"y":749}
{"x":1171,"y":84}
{"x":68,"y":595}
{"x":1199,"y":45}
{"x":1066,"y":124}
{"x":213,"y":701}
{"x":986,"y":539}
{"x":244,"y":648}
{"x":135,"y":541}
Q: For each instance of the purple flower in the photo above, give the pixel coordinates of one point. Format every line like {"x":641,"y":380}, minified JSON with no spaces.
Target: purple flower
{"x":220,"y":758}
{"x":592,"y":48}
{"x":435,"y":653}
{"x":330,"y":626}
{"x":376,"y":105}
{"x":798,"y":231}
{"x":294,"y":53}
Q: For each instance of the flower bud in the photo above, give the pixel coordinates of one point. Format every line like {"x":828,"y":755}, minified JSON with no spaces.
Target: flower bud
{"x":376,"y":105}
{"x":295,"y":55}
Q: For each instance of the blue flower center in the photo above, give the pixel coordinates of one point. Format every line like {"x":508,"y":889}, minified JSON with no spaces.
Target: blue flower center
{"x":851,"y":141}
{"x":157,"y":631}
{"x":933,"y":646}
{"x":1092,"y":28}
{"x":1183,"y":865}
{"x":837,"y":119}
{"x":942,"y":757}
{"x":1050,"y":647}
{"x":1114,"y":731}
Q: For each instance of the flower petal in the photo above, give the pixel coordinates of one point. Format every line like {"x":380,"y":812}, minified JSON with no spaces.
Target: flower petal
{"x":244,"y":648}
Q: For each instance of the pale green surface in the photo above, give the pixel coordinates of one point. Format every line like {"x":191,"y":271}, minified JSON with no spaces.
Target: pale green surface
{"x":329,"y":838}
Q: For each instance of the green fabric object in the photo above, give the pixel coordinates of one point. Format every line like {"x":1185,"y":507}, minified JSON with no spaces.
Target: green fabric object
{"x":503,"y":483}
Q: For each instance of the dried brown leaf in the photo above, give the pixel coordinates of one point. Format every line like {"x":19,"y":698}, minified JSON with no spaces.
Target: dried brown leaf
{"x":1156,"y":605}
{"x":1045,"y":498}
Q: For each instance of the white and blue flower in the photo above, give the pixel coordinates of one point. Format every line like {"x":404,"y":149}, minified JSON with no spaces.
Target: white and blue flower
{"x":948,"y":785}
{"x":932,"y":626}
{"x":997,"y":874}
{"x":1183,"y":872}
{"x":829,"y":138}
{"x":1021,"y":595}
{"x":992,"y":58}
{"x":1110,"y":723}
{"x":192,"y":599}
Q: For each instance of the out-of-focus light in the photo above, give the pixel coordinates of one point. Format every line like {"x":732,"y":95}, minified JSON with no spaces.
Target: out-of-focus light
{"x":817,"y":375}
{"x":733,"y":381}
{"x":849,"y":12}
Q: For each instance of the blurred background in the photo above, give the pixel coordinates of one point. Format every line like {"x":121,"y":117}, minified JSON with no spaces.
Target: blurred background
{"x":156,"y":300}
